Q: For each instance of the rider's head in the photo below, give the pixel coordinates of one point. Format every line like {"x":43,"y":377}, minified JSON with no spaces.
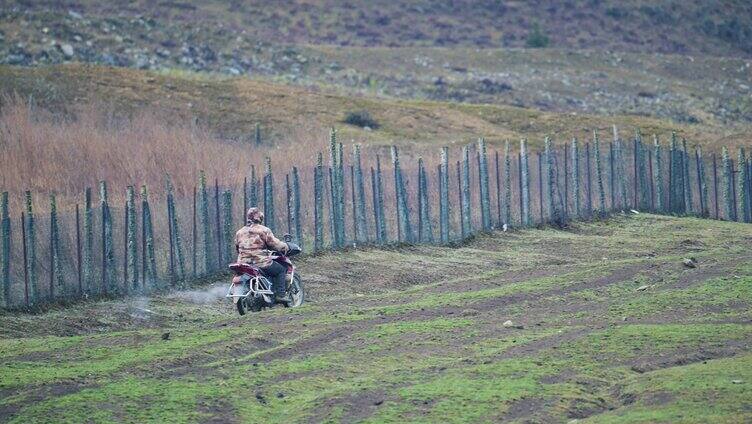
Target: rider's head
{"x":254,"y":216}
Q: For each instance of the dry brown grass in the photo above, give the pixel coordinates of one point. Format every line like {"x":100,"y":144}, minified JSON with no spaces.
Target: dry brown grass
{"x":47,"y":152}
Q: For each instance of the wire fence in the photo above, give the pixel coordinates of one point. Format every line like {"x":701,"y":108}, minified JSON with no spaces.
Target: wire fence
{"x":158,"y":240}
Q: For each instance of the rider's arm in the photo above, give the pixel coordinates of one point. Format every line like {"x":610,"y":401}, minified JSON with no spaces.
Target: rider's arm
{"x":273,"y":243}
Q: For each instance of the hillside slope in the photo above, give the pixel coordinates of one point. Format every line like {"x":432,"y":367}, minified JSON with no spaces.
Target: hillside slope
{"x":232,"y":106}
{"x":606,"y":326}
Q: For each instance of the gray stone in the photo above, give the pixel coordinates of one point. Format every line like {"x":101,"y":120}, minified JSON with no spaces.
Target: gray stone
{"x":67,"y":50}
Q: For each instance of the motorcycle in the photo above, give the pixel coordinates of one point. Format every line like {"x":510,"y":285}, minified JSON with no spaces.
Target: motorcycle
{"x":251,"y":291}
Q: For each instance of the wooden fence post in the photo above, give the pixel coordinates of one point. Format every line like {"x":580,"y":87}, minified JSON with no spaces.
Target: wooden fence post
{"x":485,"y":201}
{"x":677,"y":185}
{"x":715,"y":186}
{"x":337,"y":190}
{"x":205,"y":223}
{"x":298,"y":224}
{"x":229,"y":244}
{"x":460,"y":195}
{"x":194,"y":236}
{"x":556,"y":211}
{"x":31,"y":248}
{"x":728,"y":184}
{"x":425,"y":229}
{"x":171,"y":242}
{"x":380,"y":198}
{"x":353,"y":206}
{"x":27,"y":302}
{"x":288,"y":204}
{"x":444,"y":196}
{"x":566,"y":179}
{"x":218,"y":229}
{"x":742,"y":179}
{"x":589,"y":191}
{"x":318,"y":204}
{"x":651,"y":179}
{"x":79,"y":267}
{"x":150,"y":262}
{"x":599,"y":174}
{"x":360,"y":210}
{"x":620,"y":171}
{"x":88,"y":242}
{"x":403,"y":219}
{"x":576,"y":177}
{"x":541,"y":218}
{"x":5,"y":247}
{"x":524,"y":169}
{"x":375,"y":200}
{"x":57,"y":284}
{"x":131,"y":238}
{"x":507,"y":185}
{"x":176,"y":245}
{"x":611,"y":176}
{"x":109,"y":282}
{"x":688,"y":204}
{"x":269,"y":212}
{"x":499,"y":219}
{"x":658,"y":175}
{"x":331,"y":199}
{"x":702,"y":186}
{"x":125,"y":247}
{"x":467,"y":224}
{"x":253,"y":191}
{"x":245,"y":199}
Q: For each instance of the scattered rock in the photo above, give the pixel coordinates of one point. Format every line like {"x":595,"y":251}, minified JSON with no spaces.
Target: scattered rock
{"x":642,"y":288}
{"x":378,"y":402}
{"x":510,"y":324}
{"x":280,"y":395}
{"x":689,"y":262}
{"x":737,"y":382}
{"x":260,"y":397}
{"x":166,"y":336}
{"x":67,"y":50}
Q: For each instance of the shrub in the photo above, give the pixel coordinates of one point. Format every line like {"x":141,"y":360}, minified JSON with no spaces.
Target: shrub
{"x":361,"y":119}
{"x":537,"y":39}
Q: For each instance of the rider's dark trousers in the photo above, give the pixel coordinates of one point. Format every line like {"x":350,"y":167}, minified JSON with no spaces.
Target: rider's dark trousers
{"x":276,"y":273}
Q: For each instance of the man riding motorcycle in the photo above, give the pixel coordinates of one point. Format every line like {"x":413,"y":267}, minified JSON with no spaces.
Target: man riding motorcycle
{"x":255,"y":243}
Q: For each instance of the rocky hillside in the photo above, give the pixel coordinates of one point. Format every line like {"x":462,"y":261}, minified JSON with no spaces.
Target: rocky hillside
{"x":236,"y":37}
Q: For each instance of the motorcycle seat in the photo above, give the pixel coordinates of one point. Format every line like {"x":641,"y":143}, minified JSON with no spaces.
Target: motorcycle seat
{"x":244,"y":268}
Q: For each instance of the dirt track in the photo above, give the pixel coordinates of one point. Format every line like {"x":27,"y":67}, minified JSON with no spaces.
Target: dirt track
{"x":607,"y":325}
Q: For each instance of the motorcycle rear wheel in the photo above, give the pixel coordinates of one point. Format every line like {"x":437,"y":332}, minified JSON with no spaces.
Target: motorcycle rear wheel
{"x":256,"y":303}
{"x":240,"y":304}
{"x":296,"y":292}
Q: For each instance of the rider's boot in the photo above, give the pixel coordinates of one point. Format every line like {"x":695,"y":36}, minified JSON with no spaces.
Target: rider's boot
{"x":280,"y":294}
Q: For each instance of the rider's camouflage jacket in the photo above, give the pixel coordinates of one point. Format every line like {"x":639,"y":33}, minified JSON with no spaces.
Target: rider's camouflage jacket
{"x":254,"y":244}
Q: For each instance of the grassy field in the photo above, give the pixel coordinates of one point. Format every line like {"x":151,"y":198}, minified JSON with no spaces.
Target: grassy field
{"x":607,"y":325}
